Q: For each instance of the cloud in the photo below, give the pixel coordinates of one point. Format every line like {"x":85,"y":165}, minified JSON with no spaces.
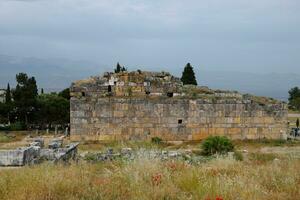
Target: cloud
{"x":232,"y":34}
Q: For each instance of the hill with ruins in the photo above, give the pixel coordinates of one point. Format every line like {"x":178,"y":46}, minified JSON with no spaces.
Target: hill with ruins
{"x":140,"y":105}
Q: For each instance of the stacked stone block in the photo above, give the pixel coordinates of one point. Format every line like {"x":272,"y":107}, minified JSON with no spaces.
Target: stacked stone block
{"x":141,"y":118}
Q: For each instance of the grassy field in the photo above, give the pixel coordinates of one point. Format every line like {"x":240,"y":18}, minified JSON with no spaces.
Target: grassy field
{"x":269,"y":170}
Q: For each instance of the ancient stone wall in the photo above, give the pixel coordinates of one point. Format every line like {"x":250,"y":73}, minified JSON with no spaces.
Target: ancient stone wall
{"x":174,"y":118}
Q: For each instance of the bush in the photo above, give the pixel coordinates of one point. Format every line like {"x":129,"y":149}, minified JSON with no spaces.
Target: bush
{"x":238,"y":156}
{"x":156,"y":140}
{"x":216,"y":145}
{"x":17,"y":126}
{"x":4,"y":128}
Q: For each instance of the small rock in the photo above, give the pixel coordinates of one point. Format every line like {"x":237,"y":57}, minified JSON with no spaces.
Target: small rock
{"x":110,"y":151}
{"x":173,"y":154}
{"x":126,"y":151}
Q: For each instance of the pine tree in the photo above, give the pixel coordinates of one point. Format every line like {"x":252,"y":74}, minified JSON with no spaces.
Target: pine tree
{"x":8,"y":95}
{"x":188,"y":75}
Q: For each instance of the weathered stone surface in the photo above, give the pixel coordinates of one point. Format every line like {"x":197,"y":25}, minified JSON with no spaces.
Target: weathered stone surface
{"x":55,"y":143}
{"x":19,"y":157}
{"x":38,"y":141}
{"x":103,"y":114}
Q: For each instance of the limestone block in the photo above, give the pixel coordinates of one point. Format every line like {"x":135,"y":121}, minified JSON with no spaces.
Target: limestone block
{"x":118,"y":114}
{"x":234,"y":131}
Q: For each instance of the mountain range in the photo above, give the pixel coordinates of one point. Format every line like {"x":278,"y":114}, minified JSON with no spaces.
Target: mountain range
{"x":57,"y":74}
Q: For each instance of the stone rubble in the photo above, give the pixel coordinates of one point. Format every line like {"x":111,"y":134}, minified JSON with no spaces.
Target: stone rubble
{"x":35,"y":153}
{"x":127,"y":154}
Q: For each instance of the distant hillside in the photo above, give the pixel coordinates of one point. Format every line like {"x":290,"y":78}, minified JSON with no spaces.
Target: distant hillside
{"x":56,"y":74}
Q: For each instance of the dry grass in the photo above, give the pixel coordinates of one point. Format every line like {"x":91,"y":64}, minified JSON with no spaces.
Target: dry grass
{"x":269,"y":171}
{"x":259,"y":177}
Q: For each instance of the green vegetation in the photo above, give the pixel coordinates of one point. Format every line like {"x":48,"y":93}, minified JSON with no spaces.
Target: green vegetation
{"x":188,"y":75}
{"x":260,"y":158}
{"x":65,"y":94}
{"x":155,"y":179}
{"x":27,"y":108}
{"x":52,"y":109}
{"x":24,"y":97}
{"x":4,"y":138}
{"x":119,"y":68}
{"x":238,"y":156}
{"x":156,"y":140}
{"x":216,"y":145}
{"x":8,"y":95}
{"x":294,"y":99}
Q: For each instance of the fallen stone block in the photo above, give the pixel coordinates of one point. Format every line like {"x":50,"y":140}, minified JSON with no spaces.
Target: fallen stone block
{"x":55,"y":143}
{"x":19,"y":157}
{"x":36,"y":142}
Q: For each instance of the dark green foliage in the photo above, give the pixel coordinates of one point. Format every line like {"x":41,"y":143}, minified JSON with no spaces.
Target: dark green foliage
{"x":297,"y":123}
{"x":188,"y":75}
{"x":42,"y":91}
{"x":216,"y":145}
{"x":4,"y":109}
{"x":25,"y":97}
{"x":156,"y":140}
{"x":8,"y":95}
{"x":294,"y":98}
{"x":65,"y":93}
{"x":27,"y":108}
{"x":119,"y":68}
{"x":17,"y":126}
{"x":52,"y":109}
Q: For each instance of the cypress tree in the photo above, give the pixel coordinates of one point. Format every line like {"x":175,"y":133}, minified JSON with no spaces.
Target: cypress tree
{"x":297,"y":122}
{"x":42,"y":91}
{"x":188,"y":75}
{"x":8,"y":95}
{"x":119,"y":68}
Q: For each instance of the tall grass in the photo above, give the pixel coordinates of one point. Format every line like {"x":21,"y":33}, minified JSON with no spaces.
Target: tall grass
{"x":154,"y":179}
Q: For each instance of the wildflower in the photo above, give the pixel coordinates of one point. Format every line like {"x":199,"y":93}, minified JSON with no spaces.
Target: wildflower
{"x":156,"y":179}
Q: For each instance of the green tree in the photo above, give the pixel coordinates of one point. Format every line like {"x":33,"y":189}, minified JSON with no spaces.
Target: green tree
{"x":294,"y":98}
{"x":119,"y":68}
{"x":25,"y":97}
{"x":52,"y":109}
{"x":188,"y":75}
{"x":297,"y":123}
{"x":65,"y":93}
{"x":8,"y":95}
{"x":4,"y":110}
{"x":42,"y":91}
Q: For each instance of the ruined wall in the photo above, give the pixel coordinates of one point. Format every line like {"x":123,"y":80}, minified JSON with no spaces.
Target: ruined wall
{"x":135,"y":118}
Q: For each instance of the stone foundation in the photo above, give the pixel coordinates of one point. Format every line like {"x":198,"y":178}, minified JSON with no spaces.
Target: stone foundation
{"x":173,"y":119}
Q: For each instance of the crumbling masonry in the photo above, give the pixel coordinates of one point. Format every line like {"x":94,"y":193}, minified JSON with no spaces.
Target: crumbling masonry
{"x":142,"y":105}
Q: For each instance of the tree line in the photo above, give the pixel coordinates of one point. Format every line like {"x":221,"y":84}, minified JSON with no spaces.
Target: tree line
{"x":24,"y":107}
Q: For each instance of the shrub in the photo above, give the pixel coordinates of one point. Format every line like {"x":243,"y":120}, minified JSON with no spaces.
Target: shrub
{"x":17,"y":126}
{"x":238,"y":156}
{"x":156,"y":140}
{"x":216,"y":145}
{"x":4,"y":128}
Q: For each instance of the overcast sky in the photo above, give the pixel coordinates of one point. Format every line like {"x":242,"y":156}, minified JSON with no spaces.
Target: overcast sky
{"x":240,"y":35}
